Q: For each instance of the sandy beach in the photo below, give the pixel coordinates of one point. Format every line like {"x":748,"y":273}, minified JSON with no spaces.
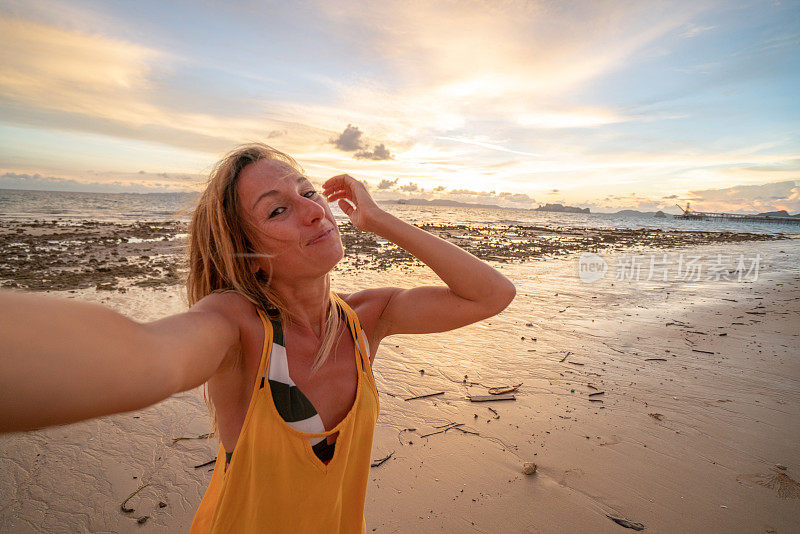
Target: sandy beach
{"x":671,"y":403}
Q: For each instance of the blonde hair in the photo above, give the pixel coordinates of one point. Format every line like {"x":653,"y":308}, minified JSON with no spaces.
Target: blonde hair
{"x":222,"y":243}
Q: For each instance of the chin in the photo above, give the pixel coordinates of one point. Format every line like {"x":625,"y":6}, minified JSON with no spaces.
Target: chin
{"x":331,"y":257}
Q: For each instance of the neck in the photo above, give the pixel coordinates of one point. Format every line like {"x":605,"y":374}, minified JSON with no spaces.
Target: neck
{"x":306,"y":301}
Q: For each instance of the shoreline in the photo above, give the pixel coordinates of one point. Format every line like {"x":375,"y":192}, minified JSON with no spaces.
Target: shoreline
{"x":728,"y":413}
{"x":70,"y":255}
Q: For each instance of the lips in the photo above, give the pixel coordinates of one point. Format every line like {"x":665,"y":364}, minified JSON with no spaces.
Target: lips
{"x":320,"y":236}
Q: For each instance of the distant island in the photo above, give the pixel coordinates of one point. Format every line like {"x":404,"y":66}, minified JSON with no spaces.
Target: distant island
{"x":561,"y":208}
{"x":636,"y":213}
{"x":782,"y":213}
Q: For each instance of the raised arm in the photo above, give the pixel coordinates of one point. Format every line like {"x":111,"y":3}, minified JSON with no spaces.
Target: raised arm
{"x":474,"y":289}
{"x":63,"y":361}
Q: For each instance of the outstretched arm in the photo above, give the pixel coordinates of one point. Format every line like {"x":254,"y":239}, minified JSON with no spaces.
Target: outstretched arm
{"x":474,"y":291}
{"x":63,"y":361}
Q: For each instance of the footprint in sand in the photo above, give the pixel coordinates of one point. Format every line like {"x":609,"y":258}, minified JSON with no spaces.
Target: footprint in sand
{"x":572,"y":473}
{"x":613,"y":440}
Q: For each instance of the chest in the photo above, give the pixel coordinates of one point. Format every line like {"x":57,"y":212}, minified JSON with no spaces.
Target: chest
{"x":331,"y":389}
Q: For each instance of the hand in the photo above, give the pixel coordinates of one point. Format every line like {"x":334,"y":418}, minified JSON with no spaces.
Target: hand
{"x":354,"y":200}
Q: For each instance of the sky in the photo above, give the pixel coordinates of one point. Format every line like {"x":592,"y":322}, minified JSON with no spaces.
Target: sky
{"x":602,"y":104}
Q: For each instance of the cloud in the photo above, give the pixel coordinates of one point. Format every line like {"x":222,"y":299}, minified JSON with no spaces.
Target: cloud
{"x":387,"y":184}
{"x":62,"y":79}
{"x":516,"y":198}
{"x":349,"y":140}
{"x":408,"y":188}
{"x":508,"y":63}
{"x":773,"y":196}
{"x":573,"y":118}
{"x":693,"y":30}
{"x":506,"y":84}
{"x":379,"y":152}
{"x":484,"y":143}
{"x":109,"y":183}
{"x":468,"y":192}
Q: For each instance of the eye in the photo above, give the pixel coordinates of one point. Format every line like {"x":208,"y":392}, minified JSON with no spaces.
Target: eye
{"x":278,"y":211}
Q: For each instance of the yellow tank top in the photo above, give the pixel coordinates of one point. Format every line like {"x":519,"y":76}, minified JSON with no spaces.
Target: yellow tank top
{"x":275,"y":482}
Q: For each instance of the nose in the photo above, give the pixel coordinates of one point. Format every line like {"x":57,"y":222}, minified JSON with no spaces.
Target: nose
{"x":310,"y":211}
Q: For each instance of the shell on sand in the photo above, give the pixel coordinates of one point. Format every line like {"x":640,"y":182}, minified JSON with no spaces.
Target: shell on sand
{"x":529,"y":468}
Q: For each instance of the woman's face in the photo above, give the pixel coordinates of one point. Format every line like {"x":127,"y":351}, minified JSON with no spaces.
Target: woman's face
{"x":289,"y":217}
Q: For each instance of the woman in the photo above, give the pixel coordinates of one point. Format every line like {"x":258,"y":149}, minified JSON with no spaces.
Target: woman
{"x":286,"y":361}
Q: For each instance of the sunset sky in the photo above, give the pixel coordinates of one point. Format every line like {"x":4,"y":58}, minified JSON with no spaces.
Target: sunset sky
{"x":606,"y":105}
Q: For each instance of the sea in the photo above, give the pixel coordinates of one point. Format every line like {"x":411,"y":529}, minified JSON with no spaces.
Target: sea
{"x":130,"y":207}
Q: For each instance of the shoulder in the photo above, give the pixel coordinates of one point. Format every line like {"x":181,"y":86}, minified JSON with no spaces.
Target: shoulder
{"x":369,"y":305}
{"x":231,"y":310}
{"x":237,"y":317}
{"x":230,"y":304}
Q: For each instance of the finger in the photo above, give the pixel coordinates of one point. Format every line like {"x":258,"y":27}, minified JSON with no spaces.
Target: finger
{"x":346,"y":207}
{"x":337,"y":181}
{"x":335,"y":192}
{"x":337,"y":195}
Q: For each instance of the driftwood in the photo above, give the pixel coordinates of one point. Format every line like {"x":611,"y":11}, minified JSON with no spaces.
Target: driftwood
{"x":442,"y":426}
{"x":675,"y":321}
{"x":205,"y":464}
{"x":201,"y":436}
{"x":625,"y":523}
{"x":501,"y":390}
{"x":485,"y":398}
{"x":655,"y":359}
{"x":597,"y":393}
{"x":427,"y":395}
{"x":129,"y":510}
{"x":451,"y":425}
{"x":379,"y":462}
{"x":703,"y":351}
{"x":565,"y":357}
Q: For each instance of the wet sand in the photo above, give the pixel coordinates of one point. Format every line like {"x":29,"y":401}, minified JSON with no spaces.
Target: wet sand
{"x":715,"y":362}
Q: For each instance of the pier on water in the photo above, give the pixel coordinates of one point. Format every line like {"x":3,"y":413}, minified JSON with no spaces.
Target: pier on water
{"x":711,"y":216}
